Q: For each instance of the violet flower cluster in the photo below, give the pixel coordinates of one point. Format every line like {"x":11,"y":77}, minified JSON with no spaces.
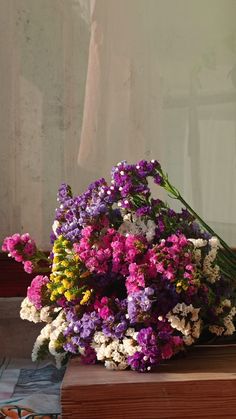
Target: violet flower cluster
{"x":132,"y":282}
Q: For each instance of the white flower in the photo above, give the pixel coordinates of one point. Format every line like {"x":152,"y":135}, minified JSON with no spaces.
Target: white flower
{"x":136,"y":225}
{"x":29,"y":312}
{"x":224,"y":303}
{"x":228,"y":327}
{"x":110,"y":365}
{"x":130,"y":346}
{"x":117,"y":357}
{"x":59,"y":358}
{"x":127,"y":217}
{"x":210,"y":270}
{"x":186,"y":309}
{"x":55,"y":226}
{"x":217,"y":330}
{"x":131,"y":332}
{"x":214,"y":242}
{"x":48,"y":338}
{"x":185,"y":319}
{"x":99,"y":337}
{"x":198,"y":242}
{"x":114,"y":352}
{"x":196,"y":329}
{"x":100,"y":351}
{"x":198,"y":256}
{"x":122,"y":365}
{"x":188,"y":340}
{"x":46,"y":314}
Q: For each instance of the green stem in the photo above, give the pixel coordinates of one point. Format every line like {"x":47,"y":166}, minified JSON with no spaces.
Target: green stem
{"x":176,"y":194}
{"x":44,"y":269}
{"x":224,"y":257}
{"x":208,"y":228}
{"x":41,"y":256}
{"x":225,"y":268}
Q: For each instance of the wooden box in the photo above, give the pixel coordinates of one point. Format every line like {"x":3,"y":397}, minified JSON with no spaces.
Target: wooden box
{"x":200,"y":385}
{"x":13,"y":279}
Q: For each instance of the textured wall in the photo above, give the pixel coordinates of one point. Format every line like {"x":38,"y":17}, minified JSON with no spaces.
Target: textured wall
{"x":43,"y":65}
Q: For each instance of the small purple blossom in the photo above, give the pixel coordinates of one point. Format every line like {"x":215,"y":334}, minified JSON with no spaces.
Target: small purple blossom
{"x":140,"y":304}
{"x":79,"y":332}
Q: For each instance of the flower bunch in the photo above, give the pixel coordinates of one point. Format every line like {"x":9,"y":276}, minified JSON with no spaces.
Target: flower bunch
{"x":131,"y":282}
{"x":23,"y":249}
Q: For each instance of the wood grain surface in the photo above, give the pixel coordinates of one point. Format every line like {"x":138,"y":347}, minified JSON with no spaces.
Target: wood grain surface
{"x":200,"y":385}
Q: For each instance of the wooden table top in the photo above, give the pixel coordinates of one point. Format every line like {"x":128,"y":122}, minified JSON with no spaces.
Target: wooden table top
{"x":199,"y":385}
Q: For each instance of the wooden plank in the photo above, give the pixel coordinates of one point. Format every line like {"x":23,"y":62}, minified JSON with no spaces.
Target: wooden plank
{"x":200,"y":385}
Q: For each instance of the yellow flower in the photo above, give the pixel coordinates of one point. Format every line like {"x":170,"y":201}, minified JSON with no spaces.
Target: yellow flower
{"x":61,"y":289}
{"x":57,"y":279}
{"x":56,"y":259}
{"x":86,"y":297}
{"x":66,"y":243}
{"x":54,"y":295}
{"x":77,"y":258}
{"x":54,"y":268}
{"x":181,"y":285}
{"x":69,"y":274}
{"x":65,"y":263}
{"x":67,"y":284}
{"x":69,"y":296}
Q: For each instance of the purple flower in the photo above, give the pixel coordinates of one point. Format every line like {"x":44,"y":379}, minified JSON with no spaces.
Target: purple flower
{"x":140,"y":304}
{"x":145,"y":210}
{"x":149,"y":354}
{"x":64,"y":193}
{"x":79,"y":332}
{"x":158,"y":179}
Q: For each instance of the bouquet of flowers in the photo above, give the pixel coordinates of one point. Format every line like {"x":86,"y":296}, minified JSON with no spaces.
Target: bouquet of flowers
{"x":130,"y":282}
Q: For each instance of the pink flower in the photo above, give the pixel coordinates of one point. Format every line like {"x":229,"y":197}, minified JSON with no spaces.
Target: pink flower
{"x":28,"y":266}
{"x":160,"y":267}
{"x":102,"y":308}
{"x":136,"y":279}
{"x":169,"y":274}
{"x":18,"y":257}
{"x":29,"y":248}
{"x":36,"y":289}
{"x":19,"y":247}
{"x":105,"y":313}
{"x":87,"y":232}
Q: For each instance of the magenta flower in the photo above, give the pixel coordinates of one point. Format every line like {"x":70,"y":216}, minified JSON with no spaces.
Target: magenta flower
{"x":36,"y":290}
{"x":21,"y":248}
{"x":28,"y":266}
